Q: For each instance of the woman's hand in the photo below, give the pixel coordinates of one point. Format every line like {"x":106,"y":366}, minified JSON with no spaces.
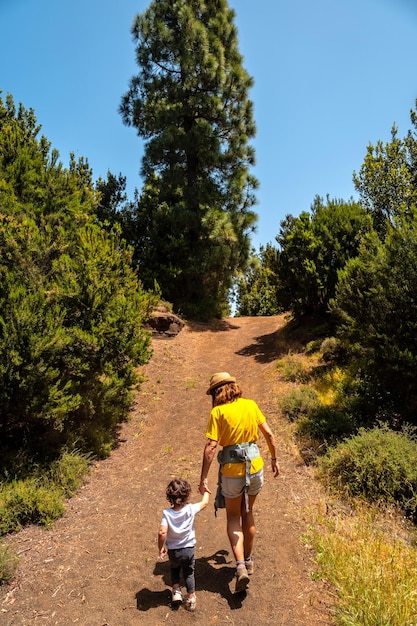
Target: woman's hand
{"x":275,"y":467}
{"x":203,"y":487}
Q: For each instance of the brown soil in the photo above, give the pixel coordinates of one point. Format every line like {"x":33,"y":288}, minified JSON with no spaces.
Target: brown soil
{"x":98,"y":565}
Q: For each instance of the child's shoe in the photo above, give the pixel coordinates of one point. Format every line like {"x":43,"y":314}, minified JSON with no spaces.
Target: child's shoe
{"x":190,"y":603}
{"x":176,"y":597}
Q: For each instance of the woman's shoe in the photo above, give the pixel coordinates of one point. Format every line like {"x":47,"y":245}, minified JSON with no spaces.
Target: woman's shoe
{"x":242,"y":578}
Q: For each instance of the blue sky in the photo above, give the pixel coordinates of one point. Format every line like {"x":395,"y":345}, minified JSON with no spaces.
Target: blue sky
{"x":331,"y":76}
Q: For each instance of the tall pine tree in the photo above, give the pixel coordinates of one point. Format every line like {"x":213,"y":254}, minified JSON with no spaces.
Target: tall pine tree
{"x":190,"y":227}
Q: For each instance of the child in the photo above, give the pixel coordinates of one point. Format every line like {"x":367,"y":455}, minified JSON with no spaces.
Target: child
{"x":177,"y":538}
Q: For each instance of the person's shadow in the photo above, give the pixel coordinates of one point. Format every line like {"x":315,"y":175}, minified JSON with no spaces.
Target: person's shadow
{"x":209,"y":574}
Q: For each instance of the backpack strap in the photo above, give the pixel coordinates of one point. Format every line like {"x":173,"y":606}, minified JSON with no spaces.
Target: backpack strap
{"x":239,"y":453}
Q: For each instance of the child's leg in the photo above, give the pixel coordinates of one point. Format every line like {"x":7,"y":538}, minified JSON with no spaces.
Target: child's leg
{"x":175,"y":569}
{"x":188,"y":567}
{"x":175,"y":577}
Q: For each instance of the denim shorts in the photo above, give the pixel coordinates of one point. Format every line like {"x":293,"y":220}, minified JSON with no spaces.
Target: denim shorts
{"x":234,"y":486}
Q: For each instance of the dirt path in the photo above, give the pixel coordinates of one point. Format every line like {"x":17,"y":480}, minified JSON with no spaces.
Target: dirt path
{"x":98,"y":565}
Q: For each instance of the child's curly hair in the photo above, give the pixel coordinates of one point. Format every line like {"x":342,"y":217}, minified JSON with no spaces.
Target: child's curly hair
{"x":178,"y":491}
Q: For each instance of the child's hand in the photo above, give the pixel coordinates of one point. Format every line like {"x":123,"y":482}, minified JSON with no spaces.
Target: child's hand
{"x":163,"y":552}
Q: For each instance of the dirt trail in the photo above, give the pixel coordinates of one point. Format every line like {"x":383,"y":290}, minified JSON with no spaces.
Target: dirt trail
{"x":98,"y":565}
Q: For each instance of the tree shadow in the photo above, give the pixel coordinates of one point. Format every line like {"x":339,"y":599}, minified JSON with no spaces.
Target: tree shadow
{"x":290,"y":338}
{"x":266,"y":348}
{"x":212,"y":573}
{"x":212,"y":326}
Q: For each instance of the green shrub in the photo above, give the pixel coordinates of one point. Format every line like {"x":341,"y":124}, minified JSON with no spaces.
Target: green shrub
{"x":28,"y":501}
{"x":330,"y":348}
{"x":293,"y":370}
{"x":68,"y":472}
{"x":299,"y":402}
{"x":313,"y":346}
{"x":8,"y":564}
{"x":39,"y":498}
{"x":377,"y":464}
{"x":326,"y":423}
{"x":72,"y":306}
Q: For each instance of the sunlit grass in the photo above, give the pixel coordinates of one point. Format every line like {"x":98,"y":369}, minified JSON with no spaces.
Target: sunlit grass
{"x":371,"y":562}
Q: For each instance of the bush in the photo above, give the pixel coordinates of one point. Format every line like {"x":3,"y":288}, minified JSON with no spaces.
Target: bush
{"x":28,"y":501}
{"x":377,"y":464}
{"x":8,"y":564}
{"x":293,"y":370}
{"x":72,"y":307}
{"x":313,"y":346}
{"x":39,"y":498}
{"x":68,"y":472}
{"x":299,"y":402}
{"x":330,"y":349}
{"x":326,"y":423}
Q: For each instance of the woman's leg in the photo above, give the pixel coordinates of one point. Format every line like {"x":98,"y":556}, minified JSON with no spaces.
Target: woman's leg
{"x":248,"y":526}
{"x":234,"y":526}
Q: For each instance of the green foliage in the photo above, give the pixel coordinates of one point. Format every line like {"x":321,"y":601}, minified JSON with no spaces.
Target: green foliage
{"x":326,"y":423}
{"x":71,"y":307}
{"x":68,"y":472}
{"x":29,"y":501}
{"x":256,"y":291}
{"x":299,"y":402}
{"x":376,"y":464}
{"x":39,"y":497}
{"x":387,"y":180}
{"x":313,"y":346}
{"x":313,"y":248}
{"x":376,"y":298}
{"x":370,"y":560}
{"x":8,"y":564}
{"x":376,"y":301}
{"x":293,"y":369}
{"x":189,"y":101}
{"x":111,"y":198}
{"x":330,"y":349}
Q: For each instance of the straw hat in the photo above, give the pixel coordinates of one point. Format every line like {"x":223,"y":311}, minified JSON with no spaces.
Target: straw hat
{"x":221,"y":378}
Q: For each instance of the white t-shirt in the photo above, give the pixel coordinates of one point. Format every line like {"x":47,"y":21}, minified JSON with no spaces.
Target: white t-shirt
{"x":180,"y":524}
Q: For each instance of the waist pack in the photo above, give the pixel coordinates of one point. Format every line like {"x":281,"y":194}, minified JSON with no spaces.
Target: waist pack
{"x":237,"y":453}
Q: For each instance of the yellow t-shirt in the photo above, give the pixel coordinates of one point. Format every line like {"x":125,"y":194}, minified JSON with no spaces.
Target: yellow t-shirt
{"x":236,"y":422}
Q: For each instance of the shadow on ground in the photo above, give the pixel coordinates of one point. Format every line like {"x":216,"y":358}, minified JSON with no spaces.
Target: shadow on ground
{"x":213,"y":574}
{"x":213,"y":326}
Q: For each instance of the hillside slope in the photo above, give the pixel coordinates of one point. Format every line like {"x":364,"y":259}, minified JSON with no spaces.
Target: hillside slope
{"x":98,"y":565}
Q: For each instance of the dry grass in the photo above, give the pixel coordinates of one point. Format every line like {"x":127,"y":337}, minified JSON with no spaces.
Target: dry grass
{"x":368,"y":556}
{"x":371,"y":561}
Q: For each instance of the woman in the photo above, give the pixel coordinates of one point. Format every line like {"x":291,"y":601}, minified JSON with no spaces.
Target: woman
{"x":234,"y":423}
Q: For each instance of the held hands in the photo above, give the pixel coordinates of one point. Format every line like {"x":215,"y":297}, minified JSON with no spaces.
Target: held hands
{"x":163,"y":553}
{"x":203,"y":487}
